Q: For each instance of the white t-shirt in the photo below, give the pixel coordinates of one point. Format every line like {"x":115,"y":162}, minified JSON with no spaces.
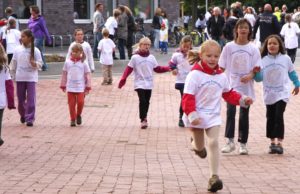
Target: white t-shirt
{"x":290,"y":35}
{"x":24,"y":71}
{"x":87,"y":49}
{"x":276,"y":82}
{"x":183,"y":66}
{"x":239,"y":60}
{"x":111,"y":24}
{"x":143,"y":71}
{"x":106,"y":47}
{"x":12,"y":37}
{"x":4,"y":75}
{"x":75,"y":75}
{"x":208,"y":90}
{"x":163,"y":35}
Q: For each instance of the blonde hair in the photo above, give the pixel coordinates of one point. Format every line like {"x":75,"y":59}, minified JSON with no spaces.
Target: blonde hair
{"x":78,"y":47}
{"x":142,"y":41}
{"x":194,"y":55}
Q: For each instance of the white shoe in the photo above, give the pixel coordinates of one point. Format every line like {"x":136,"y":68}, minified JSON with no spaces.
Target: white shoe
{"x":243,"y":149}
{"x":229,"y":147}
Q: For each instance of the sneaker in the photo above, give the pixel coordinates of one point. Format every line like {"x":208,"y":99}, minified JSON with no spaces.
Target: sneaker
{"x":272,"y":149}
{"x":73,"y":124}
{"x":229,"y":147}
{"x":22,"y":120}
{"x":180,"y":123}
{"x":279,"y":149}
{"x":243,"y":149}
{"x":215,"y":184}
{"x":29,"y":124}
{"x":144,"y":124}
{"x":1,"y":142}
{"x":79,"y":120}
{"x":202,"y":153}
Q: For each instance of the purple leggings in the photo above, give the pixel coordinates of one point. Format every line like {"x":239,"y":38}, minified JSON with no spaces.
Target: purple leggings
{"x":26,"y":100}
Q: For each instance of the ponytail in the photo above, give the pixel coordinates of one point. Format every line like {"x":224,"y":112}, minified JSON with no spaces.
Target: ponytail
{"x":193,"y":56}
{"x":29,"y":34}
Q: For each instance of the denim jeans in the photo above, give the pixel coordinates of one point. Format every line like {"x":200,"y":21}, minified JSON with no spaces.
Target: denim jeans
{"x":243,"y":123}
{"x":39,"y":43}
{"x":156,"y":38}
{"x":121,"y":47}
{"x":164,"y":47}
{"x":97,"y":38}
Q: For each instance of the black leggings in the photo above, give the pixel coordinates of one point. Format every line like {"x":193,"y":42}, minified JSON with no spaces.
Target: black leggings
{"x":275,"y":122}
{"x":1,"y":116}
{"x":144,"y":99}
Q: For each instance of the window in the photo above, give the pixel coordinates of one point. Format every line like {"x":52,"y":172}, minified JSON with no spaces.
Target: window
{"x":83,"y":11}
{"x":142,"y":8}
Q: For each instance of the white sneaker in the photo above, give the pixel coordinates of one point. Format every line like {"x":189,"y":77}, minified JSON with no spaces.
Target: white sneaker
{"x":229,"y":147}
{"x":243,"y":149}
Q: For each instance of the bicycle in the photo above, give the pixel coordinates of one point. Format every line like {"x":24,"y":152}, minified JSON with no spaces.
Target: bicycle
{"x":198,"y":36}
{"x":141,"y":33}
{"x":175,"y":35}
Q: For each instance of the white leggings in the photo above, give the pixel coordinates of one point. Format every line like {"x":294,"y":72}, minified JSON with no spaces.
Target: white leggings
{"x":212,"y":135}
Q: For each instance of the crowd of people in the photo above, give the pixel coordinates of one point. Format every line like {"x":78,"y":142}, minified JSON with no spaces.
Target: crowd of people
{"x":224,"y":67}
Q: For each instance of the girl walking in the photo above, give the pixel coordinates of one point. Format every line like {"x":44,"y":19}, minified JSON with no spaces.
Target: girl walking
{"x":26,"y":62}
{"x":12,"y":37}
{"x":238,"y":58}
{"x":277,"y":68}
{"x":143,"y":64}
{"x":87,"y":49}
{"x":205,"y":85}
{"x":180,"y":67}
{"x":106,"y":47}
{"x":6,"y":88}
{"x":76,"y":80}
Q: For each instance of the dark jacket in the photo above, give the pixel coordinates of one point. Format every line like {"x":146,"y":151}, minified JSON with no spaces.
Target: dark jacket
{"x":215,"y":29}
{"x":268,"y":24}
{"x":156,"y":22}
{"x":228,"y":28}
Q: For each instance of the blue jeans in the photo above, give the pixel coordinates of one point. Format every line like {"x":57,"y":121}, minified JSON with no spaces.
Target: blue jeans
{"x":121,"y":47}
{"x":97,"y":38}
{"x":156,"y":38}
{"x":163,"y":47}
{"x":38,"y":43}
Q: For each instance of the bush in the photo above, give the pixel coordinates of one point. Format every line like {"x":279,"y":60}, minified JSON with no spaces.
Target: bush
{"x":54,"y":58}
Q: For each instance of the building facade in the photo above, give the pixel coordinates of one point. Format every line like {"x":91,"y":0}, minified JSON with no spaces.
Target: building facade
{"x":63,"y":16}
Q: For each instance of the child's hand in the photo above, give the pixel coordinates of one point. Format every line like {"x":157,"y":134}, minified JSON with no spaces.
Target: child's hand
{"x":63,"y":88}
{"x":247,"y":78}
{"x":295,"y":91}
{"x":174,"y":72}
{"x":87,"y":90}
{"x":256,"y":69}
{"x":196,"y":121}
{"x":33,"y":63}
{"x":248,"y":101}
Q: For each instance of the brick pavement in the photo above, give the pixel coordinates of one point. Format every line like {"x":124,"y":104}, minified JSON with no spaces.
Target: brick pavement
{"x":110,"y":154}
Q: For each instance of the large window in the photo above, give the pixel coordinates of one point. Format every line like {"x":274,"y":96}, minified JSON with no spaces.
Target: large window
{"x":83,"y":11}
{"x":142,"y":8}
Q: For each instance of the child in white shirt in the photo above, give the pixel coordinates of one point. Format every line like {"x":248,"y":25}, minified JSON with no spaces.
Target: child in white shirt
{"x":112,"y":24}
{"x":12,"y":37}
{"x":163,"y":39}
{"x":143,"y":64}
{"x":25,"y":64}
{"x":87,"y":49}
{"x":76,"y":80}
{"x":204,"y":88}
{"x":106,"y":47}
{"x":277,"y":69}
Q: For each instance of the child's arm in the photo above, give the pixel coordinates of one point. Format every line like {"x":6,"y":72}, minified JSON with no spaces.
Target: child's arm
{"x":235,"y":98}
{"x":126,"y":73}
{"x":173,"y":65}
{"x":63,"y":81}
{"x":88,"y":85}
{"x":9,"y":87}
{"x":90,"y":58}
{"x":294,"y":78}
{"x":251,"y":75}
{"x":162,"y":69}
{"x":13,"y":68}
{"x":189,"y":108}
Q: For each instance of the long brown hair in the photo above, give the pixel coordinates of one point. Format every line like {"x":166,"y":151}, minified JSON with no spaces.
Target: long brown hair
{"x":241,"y":22}
{"x":29,"y":34}
{"x":264,"y":49}
{"x":3,"y":58}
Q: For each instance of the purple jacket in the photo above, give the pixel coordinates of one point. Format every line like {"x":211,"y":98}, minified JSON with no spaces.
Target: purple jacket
{"x":38,"y":28}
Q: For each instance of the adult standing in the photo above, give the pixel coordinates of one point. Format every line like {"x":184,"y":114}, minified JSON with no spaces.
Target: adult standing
{"x":156,"y":23}
{"x":131,"y":29}
{"x":215,"y":25}
{"x":267,"y":23}
{"x":38,"y":27}
{"x":98,"y":22}
{"x":122,"y":32}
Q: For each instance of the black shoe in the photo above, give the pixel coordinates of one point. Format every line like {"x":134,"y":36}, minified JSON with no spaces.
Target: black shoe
{"x":1,"y":142}
{"x":272,"y":149}
{"x":79,"y":120}
{"x":215,"y":184}
{"x":180,"y":123}
{"x":22,"y":119}
{"x":116,"y":58}
{"x":73,"y":124}
{"x":29,"y":124}
{"x":279,"y":149}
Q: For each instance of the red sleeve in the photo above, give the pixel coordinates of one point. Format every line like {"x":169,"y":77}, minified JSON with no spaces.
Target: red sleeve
{"x":188,"y":103}
{"x":162,"y":69}
{"x":63,"y":81}
{"x":126,"y":73}
{"x":232,"y":97}
{"x":9,"y":85}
